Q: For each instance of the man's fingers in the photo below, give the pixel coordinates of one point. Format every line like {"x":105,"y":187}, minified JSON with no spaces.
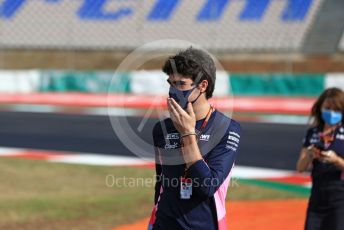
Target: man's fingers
{"x":171,"y":105}
{"x":173,"y":112}
{"x":190,"y":110}
{"x":168,"y":105}
{"x":177,"y":106}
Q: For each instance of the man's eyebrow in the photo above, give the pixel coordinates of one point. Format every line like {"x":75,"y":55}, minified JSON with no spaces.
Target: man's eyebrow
{"x":179,"y":82}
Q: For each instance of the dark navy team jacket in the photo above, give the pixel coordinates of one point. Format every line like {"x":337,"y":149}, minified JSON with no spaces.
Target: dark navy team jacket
{"x":218,"y":143}
{"x":327,"y":179}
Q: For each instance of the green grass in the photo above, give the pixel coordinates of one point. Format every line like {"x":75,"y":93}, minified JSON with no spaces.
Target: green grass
{"x":45,"y":193}
{"x":243,"y":189}
{"x":40,"y":195}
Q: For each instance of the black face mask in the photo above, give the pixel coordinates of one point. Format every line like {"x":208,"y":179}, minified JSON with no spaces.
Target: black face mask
{"x":182,"y":96}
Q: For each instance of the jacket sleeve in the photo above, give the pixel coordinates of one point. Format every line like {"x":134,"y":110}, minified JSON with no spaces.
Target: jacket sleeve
{"x":158,"y":173}
{"x":158,"y":168}
{"x":306,"y":140}
{"x":208,"y":176}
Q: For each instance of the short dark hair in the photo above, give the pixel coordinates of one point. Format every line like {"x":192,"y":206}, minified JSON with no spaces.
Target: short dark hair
{"x":193,"y":63}
{"x":336,"y":99}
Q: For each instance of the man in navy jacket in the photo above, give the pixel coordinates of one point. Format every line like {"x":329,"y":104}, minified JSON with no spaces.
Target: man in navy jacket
{"x":195,"y":149}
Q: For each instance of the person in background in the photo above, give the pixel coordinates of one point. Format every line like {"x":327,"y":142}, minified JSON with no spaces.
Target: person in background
{"x":323,"y":153}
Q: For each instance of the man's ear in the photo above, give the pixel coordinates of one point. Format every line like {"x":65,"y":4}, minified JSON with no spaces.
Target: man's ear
{"x":203,"y":86}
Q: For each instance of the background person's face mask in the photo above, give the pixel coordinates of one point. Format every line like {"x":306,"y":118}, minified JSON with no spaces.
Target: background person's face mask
{"x":182,"y":96}
{"x":331,"y":117}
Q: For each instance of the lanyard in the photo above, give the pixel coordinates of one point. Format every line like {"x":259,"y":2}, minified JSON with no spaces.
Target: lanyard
{"x":205,"y":122}
{"x":328,"y":136}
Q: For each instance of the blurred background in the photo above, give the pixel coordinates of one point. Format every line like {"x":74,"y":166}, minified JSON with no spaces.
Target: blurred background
{"x":72,"y":72}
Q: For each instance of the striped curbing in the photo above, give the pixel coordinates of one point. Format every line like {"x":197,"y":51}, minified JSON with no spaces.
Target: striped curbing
{"x":243,"y":173}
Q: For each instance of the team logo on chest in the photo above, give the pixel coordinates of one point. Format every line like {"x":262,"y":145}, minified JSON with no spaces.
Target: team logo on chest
{"x":172,"y":141}
{"x":171,"y":145}
{"x":340,"y":136}
{"x":172,"y":136}
{"x":314,"y":138}
{"x":204,"y":137}
{"x":341,"y":130}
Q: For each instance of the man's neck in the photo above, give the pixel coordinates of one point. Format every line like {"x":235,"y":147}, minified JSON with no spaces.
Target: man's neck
{"x":201,"y":109}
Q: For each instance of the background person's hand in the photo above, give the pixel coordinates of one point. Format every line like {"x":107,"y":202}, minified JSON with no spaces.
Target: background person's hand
{"x":328,"y":157}
{"x":313,"y":152}
{"x":184,"y":121}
